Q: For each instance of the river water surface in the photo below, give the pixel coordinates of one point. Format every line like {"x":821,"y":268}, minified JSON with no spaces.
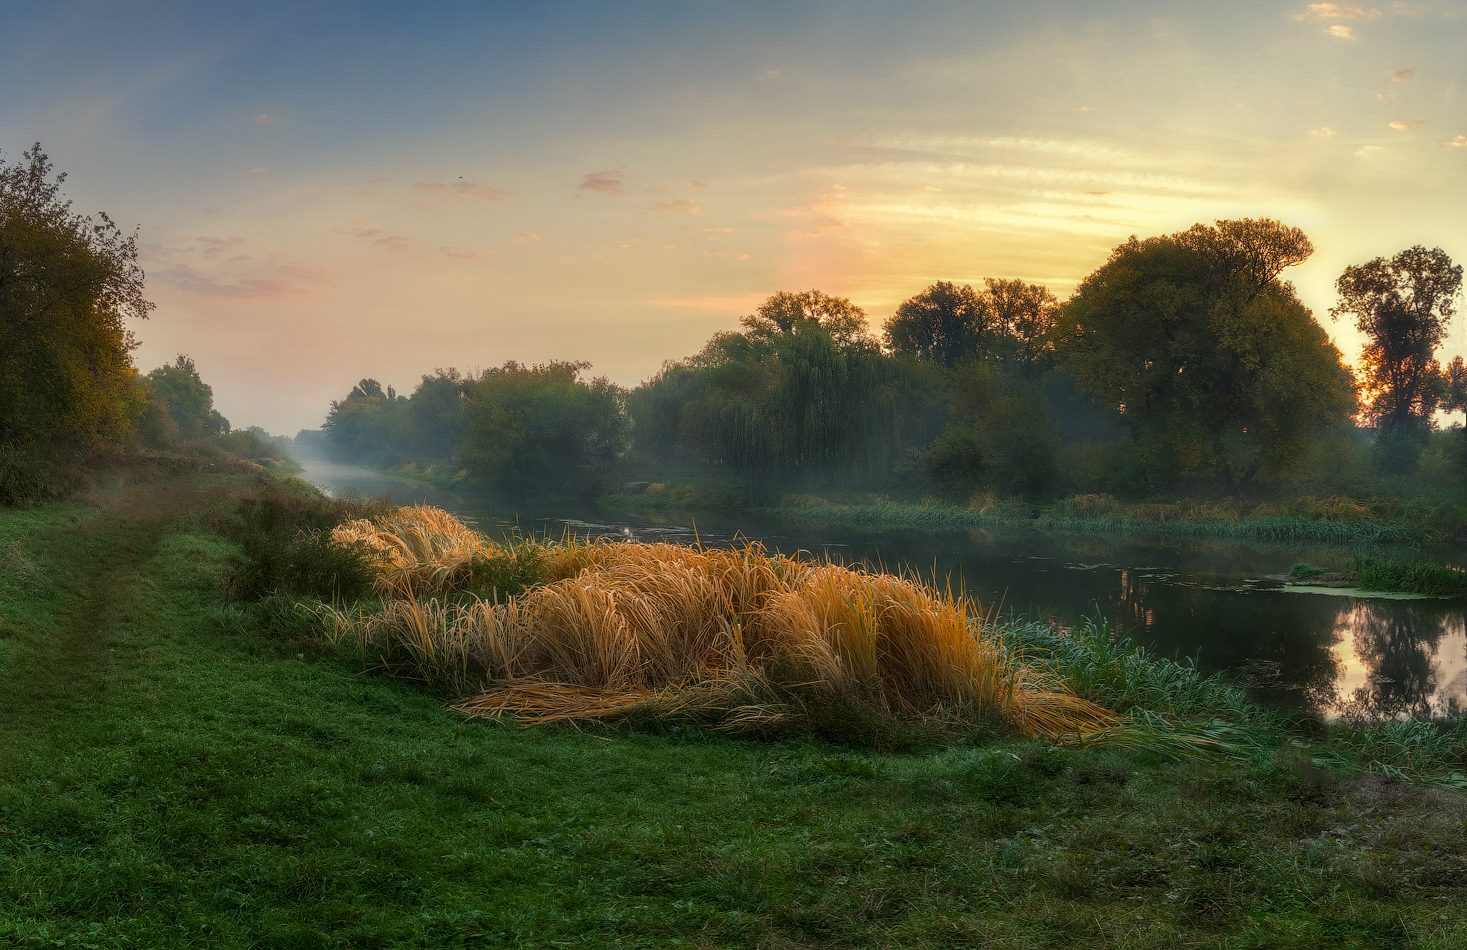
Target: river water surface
{"x":1217,"y":603}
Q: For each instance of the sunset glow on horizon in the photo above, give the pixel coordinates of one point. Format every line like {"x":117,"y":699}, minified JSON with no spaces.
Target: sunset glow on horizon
{"x":329,"y":192}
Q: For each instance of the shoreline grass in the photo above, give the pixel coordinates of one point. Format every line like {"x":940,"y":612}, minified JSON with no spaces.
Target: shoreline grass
{"x":1333,"y":521}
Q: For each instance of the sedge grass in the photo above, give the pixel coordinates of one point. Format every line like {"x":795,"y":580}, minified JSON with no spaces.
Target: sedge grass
{"x":738,"y":637}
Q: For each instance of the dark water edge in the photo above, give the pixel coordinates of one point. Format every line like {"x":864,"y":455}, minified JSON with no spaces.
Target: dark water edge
{"x":1217,"y":602}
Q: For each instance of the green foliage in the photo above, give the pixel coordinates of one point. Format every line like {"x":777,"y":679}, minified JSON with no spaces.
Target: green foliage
{"x":516,"y":427}
{"x":789,"y":402}
{"x":520,"y":567}
{"x":1409,"y":576}
{"x":27,"y":476}
{"x":542,"y":426}
{"x":1204,"y":354}
{"x":286,"y":548}
{"x":1003,"y":436}
{"x":188,"y":400}
{"x":1009,"y":321}
{"x":1403,"y":306}
{"x":1123,"y":676}
{"x":67,"y":284}
{"x":943,"y":324}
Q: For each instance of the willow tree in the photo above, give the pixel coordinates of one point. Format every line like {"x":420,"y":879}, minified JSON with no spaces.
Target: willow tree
{"x":1208,"y":357}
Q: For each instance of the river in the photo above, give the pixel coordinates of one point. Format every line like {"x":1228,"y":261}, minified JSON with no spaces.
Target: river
{"x":1216,"y":603}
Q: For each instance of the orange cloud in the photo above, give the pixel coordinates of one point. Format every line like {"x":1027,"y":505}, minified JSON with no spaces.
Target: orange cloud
{"x":1341,"y":31}
{"x":1458,"y":142}
{"x":679,"y":205}
{"x":1403,"y":75}
{"x":524,"y":237}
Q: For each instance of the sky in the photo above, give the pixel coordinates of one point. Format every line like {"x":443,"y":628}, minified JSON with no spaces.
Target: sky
{"x":330,"y":191}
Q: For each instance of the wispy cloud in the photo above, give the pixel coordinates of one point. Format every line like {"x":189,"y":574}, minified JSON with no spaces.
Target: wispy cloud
{"x":1403,"y":75}
{"x":380,"y":238}
{"x":1407,"y":126}
{"x":1458,"y":142}
{"x":194,"y":281}
{"x":678,"y":205}
{"x":214,"y":247}
{"x":604,"y":183}
{"x":1337,"y":11}
{"x":262,"y":119}
{"x":1341,"y":31}
{"x":1324,"y":132}
{"x":459,"y":252}
{"x":524,"y":237}
{"x":461,"y":189}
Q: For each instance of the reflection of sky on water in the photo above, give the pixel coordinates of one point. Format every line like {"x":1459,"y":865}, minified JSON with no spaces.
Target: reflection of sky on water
{"x":1399,"y":663}
{"x":1340,"y":655}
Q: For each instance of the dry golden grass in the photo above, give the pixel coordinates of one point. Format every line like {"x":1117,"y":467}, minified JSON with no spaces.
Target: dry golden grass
{"x":419,"y":549}
{"x":738,"y":637}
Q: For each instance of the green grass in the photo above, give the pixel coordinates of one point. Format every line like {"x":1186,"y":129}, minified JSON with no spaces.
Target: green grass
{"x":1283,"y":528}
{"x":177,"y":772}
{"x":1410,"y":576}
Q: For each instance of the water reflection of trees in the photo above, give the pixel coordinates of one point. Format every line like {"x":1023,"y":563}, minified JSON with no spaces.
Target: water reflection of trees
{"x":1280,"y":645}
{"x":1397,"y":647}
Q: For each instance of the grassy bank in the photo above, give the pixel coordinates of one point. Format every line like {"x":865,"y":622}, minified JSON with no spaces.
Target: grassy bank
{"x":178,"y":769}
{"x":1303,"y":520}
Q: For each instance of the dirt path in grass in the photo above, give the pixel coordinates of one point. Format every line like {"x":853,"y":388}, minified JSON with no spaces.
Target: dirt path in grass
{"x":93,"y":566}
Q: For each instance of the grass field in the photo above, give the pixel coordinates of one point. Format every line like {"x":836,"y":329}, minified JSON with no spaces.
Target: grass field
{"x":177,"y":771}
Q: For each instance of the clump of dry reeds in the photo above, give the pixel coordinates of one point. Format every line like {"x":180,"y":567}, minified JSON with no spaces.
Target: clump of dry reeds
{"x":740,"y":638}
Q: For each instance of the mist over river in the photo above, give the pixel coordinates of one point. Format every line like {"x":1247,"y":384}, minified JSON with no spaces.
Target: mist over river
{"x":1220,"y":603}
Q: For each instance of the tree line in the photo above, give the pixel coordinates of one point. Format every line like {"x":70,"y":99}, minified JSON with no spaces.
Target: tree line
{"x":1184,"y":361}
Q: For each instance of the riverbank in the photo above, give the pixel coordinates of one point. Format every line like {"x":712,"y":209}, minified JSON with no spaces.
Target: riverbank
{"x":179,"y":768}
{"x":1304,"y":520}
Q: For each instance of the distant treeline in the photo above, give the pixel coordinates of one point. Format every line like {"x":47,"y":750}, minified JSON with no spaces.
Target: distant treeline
{"x":1183,"y":362}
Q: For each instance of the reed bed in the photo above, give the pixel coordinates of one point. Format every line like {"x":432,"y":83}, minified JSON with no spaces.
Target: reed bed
{"x":739,"y":638}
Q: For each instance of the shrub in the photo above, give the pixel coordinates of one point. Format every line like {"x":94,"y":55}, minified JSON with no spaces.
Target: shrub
{"x":287,"y":548}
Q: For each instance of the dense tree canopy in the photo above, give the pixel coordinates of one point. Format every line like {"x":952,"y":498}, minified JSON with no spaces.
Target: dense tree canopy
{"x":1210,"y":359}
{"x":188,"y":400}
{"x":1009,"y":321}
{"x":541,"y":426}
{"x":67,"y":284}
{"x":784,"y":313}
{"x":943,"y":324}
{"x":1403,"y":306}
{"x":801,"y":396}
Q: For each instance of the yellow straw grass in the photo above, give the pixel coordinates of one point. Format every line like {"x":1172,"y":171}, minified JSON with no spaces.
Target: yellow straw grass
{"x":738,"y":637}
